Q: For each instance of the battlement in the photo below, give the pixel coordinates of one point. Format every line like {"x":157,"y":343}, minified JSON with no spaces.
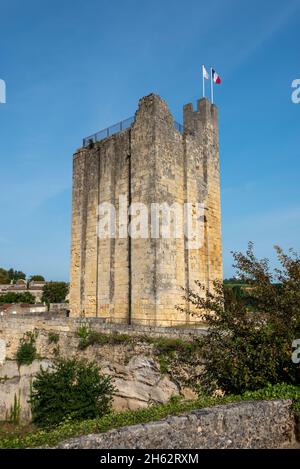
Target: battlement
{"x":205,"y":113}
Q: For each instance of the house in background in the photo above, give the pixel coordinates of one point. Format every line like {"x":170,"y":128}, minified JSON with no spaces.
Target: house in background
{"x":22,"y":286}
{"x":21,"y":308}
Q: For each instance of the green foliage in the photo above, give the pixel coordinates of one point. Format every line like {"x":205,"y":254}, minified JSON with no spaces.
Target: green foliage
{"x":233,"y":281}
{"x":55,"y":292}
{"x":53,"y":338}
{"x":246,"y":348}
{"x":89,"y":337}
{"x":13,"y":297}
{"x":72,"y":390}
{"x":83,"y":332}
{"x":15,"y":275}
{"x":114,"y":338}
{"x":167,"y":345}
{"x":174,"y":352}
{"x":162,"y":344}
{"x":26,"y":352}
{"x":112,"y":420}
{"x":296,"y":407}
{"x":241,"y":293}
{"x":170,"y":352}
{"x":15,"y":410}
{"x":276,"y":391}
{"x":27,"y":297}
{"x":4,"y":277}
{"x":37,"y":278}
{"x":163,"y":364}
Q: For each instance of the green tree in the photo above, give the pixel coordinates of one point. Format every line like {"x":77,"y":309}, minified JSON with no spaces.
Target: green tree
{"x":246,"y":348}
{"x":232,"y":281}
{"x":4,"y":277}
{"x":55,"y":292}
{"x":73,"y":389}
{"x":13,"y":297}
{"x":27,"y":297}
{"x":15,"y":275}
{"x":37,"y":278}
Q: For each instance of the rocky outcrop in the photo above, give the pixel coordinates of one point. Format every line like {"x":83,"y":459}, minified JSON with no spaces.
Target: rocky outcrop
{"x":133,"y":363}
{"x":15,"y":385}
{"x":140,"y":383}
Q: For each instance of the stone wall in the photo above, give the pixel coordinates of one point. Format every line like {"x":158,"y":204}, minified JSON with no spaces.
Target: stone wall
{"x":13,"y":328}
{"x":253,"y":424}
{"x":138,"y":280}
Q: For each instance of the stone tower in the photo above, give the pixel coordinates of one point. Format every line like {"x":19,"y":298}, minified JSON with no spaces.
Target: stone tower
{"x":138,"y":279}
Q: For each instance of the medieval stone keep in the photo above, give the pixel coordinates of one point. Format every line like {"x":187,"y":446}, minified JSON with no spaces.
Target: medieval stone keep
{"x":138,"y":279}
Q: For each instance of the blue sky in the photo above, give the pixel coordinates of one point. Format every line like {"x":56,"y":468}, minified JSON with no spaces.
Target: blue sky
{"x":73,"y":67}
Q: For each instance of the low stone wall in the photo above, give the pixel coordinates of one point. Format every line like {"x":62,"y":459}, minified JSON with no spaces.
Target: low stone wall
{"x":252,"y":424}
{"x":12,"y":328}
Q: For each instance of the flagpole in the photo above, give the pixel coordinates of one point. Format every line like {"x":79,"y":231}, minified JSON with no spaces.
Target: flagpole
{"x":211,"y":86}
{"x":203,"y":82}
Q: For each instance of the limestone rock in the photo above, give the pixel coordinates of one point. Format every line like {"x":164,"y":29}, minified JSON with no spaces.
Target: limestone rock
{"x":142,"y":382}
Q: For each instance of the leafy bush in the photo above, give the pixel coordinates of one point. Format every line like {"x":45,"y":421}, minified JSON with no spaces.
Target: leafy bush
{"x":247,"y":348}
{"x":16,"y":275}
{"x":13,"y":297}
{"x":173,"y":353}
{"x":55,"y":292}
{"x":276,"y":391}
{"x":73,"y":390}
{"x":6,"y":276}
{"x":83,"y":332}
{"x":26,"y":352}
{"x":37,"y":278}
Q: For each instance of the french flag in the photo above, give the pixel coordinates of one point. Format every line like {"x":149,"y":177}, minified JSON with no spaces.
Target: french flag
{"x":216,"y":78}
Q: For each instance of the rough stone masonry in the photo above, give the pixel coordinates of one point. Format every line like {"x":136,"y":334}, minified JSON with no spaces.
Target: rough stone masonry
{"x":242,"y":425}
{"x":138,"y":280}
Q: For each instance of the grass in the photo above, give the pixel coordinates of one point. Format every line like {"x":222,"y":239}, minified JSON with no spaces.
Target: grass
{"x":53,"y":338}
{"x":9,"y":429}
{"x":164,"y":347}
{"x":30,"y":437}
{"x":88,"y":337}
